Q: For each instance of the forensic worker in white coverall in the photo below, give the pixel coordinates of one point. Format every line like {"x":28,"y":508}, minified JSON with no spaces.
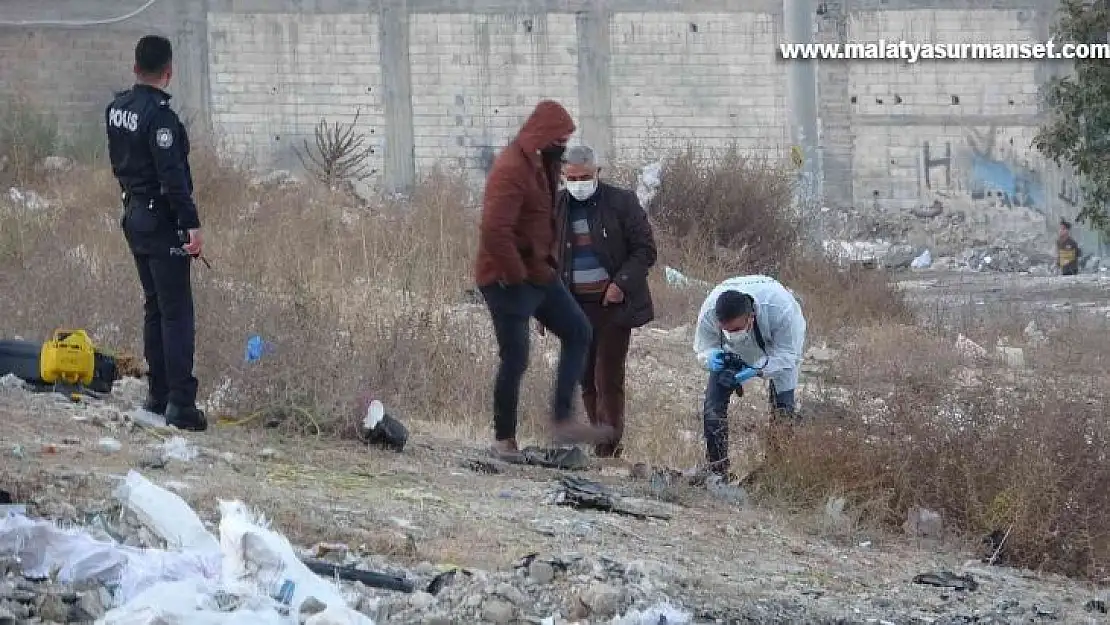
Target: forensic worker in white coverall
{"x":749,"y":327}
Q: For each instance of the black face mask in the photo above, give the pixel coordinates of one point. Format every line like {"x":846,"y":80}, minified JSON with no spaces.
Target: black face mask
{"x":554,"y":151}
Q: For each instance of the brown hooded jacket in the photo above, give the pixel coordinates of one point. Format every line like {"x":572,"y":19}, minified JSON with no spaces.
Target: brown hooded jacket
{"x":517,"y":233}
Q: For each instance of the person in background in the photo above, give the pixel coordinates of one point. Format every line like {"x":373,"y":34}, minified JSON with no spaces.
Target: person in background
{"x":1067,"y":251}
{"x":149,"y":151}
{"x":515,"y":271}
{"x":748,"y":327}
{"x":607,"y":249}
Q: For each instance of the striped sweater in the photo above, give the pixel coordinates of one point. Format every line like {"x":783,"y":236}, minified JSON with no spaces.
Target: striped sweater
{"x":589,"y":278}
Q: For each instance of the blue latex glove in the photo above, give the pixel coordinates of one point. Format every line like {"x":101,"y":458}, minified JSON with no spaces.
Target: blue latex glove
{"x":716,"y":360}
{"x":744,"y":375}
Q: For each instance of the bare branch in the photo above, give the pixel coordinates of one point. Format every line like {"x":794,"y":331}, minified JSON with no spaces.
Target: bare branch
{"x":341,"y":153}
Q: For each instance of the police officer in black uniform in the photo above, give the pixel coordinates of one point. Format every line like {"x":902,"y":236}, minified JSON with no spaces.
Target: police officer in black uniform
{"x":149,"y":150}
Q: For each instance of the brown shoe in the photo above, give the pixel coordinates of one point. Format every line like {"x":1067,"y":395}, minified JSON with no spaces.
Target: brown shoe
{"x":572,"y":432}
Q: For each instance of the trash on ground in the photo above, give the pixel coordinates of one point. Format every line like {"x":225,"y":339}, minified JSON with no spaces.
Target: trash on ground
{"x":924,"y":261}
{"x":947,"y":579}
{"x":445,"y":579}
{"x":582,"y":493}
{"x":569,"y":458}
{"x":380,"y":428}
{"x":351,"y":574}
{"x":675,"y":277}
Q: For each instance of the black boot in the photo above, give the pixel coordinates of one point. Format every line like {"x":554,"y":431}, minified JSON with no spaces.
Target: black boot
{"x":188,"y":418}
{"x":158,"y":407}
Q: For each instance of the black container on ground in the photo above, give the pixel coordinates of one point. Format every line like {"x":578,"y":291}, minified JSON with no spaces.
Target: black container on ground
{"x":21,"y":359}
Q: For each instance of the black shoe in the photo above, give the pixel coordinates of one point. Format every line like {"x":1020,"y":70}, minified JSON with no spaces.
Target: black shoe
{"x":155,"y":406}
{"x":188,"y":418}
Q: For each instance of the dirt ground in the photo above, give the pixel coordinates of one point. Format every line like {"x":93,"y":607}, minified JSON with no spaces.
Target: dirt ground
{"x":440,"y":502}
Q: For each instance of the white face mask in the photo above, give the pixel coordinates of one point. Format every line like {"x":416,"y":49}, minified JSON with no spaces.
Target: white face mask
{"x":581,"y":189}
{"x":732,"y":337}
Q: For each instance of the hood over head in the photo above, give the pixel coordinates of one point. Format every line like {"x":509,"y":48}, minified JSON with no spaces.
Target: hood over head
{"x":549,"y":121}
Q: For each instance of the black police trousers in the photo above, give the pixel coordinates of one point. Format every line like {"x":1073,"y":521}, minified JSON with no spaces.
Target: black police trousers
{"x":169,"y":331}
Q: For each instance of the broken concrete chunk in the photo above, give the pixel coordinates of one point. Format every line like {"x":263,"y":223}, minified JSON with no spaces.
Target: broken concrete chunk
{"x":602,"y":600}
{"x":498,"y":611}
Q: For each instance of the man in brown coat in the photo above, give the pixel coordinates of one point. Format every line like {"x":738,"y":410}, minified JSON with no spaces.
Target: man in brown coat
{"x":606,"y":250}
{"x":515,"y":272}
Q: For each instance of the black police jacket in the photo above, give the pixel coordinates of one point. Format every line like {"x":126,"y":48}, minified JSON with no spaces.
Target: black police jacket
{"x":149,"y":150}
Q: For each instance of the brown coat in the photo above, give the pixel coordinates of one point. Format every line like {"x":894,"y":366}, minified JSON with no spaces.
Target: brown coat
{"x":624,"y":243}
{"x":517,"y":234}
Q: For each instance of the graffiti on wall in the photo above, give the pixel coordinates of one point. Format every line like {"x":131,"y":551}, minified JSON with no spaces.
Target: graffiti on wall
{"x":995,"y":166}
{"x":1003,"y":174}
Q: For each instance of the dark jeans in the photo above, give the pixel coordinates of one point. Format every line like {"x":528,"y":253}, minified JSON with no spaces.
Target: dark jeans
{"x":603,"y":381}
{"x":715,"y":417}
{"x":168,"y":327}
{"x":511,"y":309}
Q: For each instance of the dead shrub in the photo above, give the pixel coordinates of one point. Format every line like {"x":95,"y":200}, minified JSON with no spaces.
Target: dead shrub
{"x":728,"y":200}
{"x":720,"y":215}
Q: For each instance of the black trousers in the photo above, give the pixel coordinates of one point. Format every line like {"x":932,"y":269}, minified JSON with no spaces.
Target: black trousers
{"x":169,"y":326}
{"x":511,"y":310}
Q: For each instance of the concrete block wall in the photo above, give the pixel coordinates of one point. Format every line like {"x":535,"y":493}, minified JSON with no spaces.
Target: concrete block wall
{"x":449,"y":82}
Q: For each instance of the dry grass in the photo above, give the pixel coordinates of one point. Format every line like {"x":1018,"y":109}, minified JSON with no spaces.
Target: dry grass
{"x":371,"y":299}
{"x":907,"y":420}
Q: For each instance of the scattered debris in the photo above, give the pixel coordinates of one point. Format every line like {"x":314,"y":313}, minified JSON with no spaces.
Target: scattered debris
{"x":924,"y":261}
{"x":947,"y":579}
{"x":369,"y":578}
{"x":676,"y":278}
{"x":969,"y":348}
{"x":647,"y":184}
{"x":582,"y":493}
{"x":379,"y":428}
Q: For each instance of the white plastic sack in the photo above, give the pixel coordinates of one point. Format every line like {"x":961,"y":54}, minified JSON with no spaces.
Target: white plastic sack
{"x":659,"y":613}
{"x":44,"y":548}
{"x":165,"y":514}
{"x":190,"y":603}
{"x":340,"y":615}
{"x":258,"y":560}
{"x":76,"y":557}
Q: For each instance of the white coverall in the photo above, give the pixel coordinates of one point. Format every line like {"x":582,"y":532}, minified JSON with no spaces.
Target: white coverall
{"x":780,"y":320}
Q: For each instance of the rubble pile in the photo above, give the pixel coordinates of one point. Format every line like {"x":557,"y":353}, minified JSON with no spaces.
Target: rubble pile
{"x":988,"y":238}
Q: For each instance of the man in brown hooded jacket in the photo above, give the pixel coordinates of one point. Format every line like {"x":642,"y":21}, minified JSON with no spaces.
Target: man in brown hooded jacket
{"x":515,"y":272}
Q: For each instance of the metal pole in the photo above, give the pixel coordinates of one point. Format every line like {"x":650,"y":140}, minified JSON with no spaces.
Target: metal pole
{"x":798,"y":17}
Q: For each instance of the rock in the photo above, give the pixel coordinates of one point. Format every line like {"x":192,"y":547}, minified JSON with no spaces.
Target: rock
{"x":268,"y":453}
{"x":51,"y":607}
{"x":602,"y":600}
{"x":511,"y":594}
{"x":311,"y":606}
{"x":498,"y":611}
{"x":421,"y":600}
{"x":109,"y":445}
{"x":541,"y":572}
{"x":923,"y":523}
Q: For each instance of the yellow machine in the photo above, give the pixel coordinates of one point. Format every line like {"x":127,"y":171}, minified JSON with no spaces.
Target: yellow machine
{"x":68,"y":358}
{"x":68,"y":362}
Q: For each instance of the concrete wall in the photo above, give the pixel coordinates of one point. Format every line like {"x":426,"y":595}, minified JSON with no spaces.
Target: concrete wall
{"x":440,"y":81}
